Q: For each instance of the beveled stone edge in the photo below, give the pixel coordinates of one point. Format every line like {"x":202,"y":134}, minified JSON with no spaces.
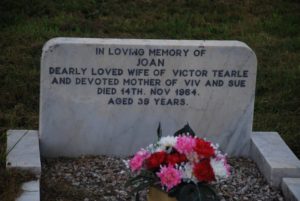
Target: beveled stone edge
{"x":266,"y":169}
{"x":33,"y":168}
{"x":128,"y":41}
{"x":33,"y":195}
{"x":287,"y":192}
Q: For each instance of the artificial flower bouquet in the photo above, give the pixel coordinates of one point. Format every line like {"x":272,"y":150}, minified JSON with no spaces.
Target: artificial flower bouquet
{"x":182,"y":165}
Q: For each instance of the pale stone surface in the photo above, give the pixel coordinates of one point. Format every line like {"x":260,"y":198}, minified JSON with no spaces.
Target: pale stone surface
{"x":291,"y":189}
{"x":23,"y":150}
{"x":76,"y":120}
{"x":31,"y":191}
{"x":273,"y":157}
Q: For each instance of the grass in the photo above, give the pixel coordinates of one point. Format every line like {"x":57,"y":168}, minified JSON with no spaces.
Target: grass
{"x":271,"y":28}
{"x":10,"y":180}
{"x":10,"y":183}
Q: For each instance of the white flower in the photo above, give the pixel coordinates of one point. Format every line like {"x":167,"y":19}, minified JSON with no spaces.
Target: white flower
{"x":187,"y":173}
{"x":151,"y":148}
{"x":193,"y":157}
{"x":165,"y":142}
{"x":126,"y":163}
{"x":219,"y":168}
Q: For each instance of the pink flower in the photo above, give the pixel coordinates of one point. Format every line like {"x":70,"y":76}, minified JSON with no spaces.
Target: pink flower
{"x":227,"y":166}
{"x":185,"y":144}
{"x":169,"y":176}
{"x":136,"y":163}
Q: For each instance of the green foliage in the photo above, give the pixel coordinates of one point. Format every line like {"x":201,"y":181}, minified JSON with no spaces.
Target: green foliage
{"x":2,"y":150}
{"x":10,"y":182}
{"x":159,"y":132}
{"x":142,"y":181}
{"x":185,"y":130}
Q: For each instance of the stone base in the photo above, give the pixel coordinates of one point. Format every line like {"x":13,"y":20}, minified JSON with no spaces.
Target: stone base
{"x":275,"y":160}
{"x":31,"y":191}
{"x":291,"y":189}
{"x":23,"y":150}
{"x":24,"y":153}
{"x":273,"y":157}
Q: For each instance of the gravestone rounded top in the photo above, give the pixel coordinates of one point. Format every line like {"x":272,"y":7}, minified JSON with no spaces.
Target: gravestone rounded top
{"x":107,"y":96}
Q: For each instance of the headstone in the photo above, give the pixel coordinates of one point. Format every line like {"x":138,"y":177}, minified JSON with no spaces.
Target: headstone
{"x":107,"y":96}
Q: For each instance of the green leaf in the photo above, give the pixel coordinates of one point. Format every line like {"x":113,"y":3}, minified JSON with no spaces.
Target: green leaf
{"x":189,"y":192}
{"x":159,"y":132}
{"x":137,"y":196}
{"x":141,"y":186}
{"x":186,"y":129}
{"x":143,"y":176}
{"x":193,"y":192}
{"x":207,"y":192}
{"x":141,"y":181}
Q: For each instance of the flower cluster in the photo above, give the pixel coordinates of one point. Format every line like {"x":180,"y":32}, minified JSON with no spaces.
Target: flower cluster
{"x":183,"y":158}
